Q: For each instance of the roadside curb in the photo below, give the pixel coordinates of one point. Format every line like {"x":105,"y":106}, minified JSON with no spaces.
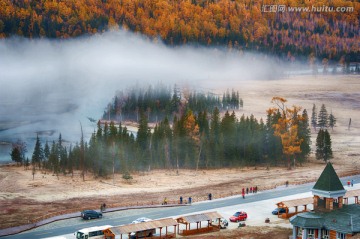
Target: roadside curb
{"x":22,"y":228}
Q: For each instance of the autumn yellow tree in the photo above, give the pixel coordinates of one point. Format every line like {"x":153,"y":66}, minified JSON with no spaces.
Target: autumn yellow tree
{"x":287,"y":127}
{"x":192,"y":130}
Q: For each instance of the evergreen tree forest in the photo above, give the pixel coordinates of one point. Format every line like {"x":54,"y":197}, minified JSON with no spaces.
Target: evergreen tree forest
{"x":160,"y":101}
{"x":190,"y":140}
{"x":238,"y":24}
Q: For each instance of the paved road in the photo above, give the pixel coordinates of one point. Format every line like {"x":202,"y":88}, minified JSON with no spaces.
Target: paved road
{"x":124,"y":217}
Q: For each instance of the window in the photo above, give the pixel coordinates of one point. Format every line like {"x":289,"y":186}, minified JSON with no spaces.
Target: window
{"x":325,"y":234}
{"x":95,"y":233}
{"x":340,"y":235}
{"x":311,"y":234}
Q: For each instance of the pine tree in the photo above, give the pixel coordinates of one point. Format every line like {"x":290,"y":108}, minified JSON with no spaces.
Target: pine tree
{"x":16,"y":155}
{"x":143,"y":133}
{"x":18,"y":152}
{"x":215,"y":138}
{"x":323,"y":145}
{"x":305,"y":136}
{"x":323,"y":119}
{"x":46,"y":155}
{"x":37,"y":155}
{"x":328,"y":154}
{"x":332,"y":121}
{"x":320,"y":145}
{"x":314,"y":117}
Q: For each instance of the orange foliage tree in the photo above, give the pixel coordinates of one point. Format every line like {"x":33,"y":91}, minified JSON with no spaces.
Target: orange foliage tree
{"x":287,"y":127}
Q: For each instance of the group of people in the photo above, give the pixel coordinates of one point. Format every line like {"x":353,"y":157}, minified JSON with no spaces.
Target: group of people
{"x":249,"y":190}
{"x":350,"y":183}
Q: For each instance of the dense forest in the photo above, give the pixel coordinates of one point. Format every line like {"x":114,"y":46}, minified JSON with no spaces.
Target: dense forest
{"x":236,"y":24}
{"x":160,"y":101}
{"x":194,"y":141}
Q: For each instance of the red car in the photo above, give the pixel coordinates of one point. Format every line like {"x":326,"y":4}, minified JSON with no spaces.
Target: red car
{"x":238,"y":216}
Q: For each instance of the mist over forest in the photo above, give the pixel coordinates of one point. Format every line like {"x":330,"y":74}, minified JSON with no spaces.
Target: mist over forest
{"x":49,"y":86}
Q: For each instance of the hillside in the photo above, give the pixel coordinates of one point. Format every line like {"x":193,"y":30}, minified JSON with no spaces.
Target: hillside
{"x":303,"y":29}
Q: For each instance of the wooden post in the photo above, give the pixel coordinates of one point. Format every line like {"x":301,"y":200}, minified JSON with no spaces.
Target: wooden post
{"x":340,"y":200}
{"x":331,"y":203}
{"x":316,"y":201}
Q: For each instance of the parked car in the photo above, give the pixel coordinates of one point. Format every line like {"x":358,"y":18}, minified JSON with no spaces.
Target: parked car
{"x":144,"y":233}
{"x":238,"y":216}
{"x":90,"y":214}
{"x":277,"y":211}
{"x":223,"y":223}
{"x":141,"y":219}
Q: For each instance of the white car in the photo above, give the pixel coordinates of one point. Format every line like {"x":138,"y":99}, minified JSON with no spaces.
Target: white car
{"x":142,"y":219}
{"x":141,"y":234}
{"x":223,"y":223}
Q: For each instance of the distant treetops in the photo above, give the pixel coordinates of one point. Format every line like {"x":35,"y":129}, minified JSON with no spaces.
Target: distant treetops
{"x":240,"y":24}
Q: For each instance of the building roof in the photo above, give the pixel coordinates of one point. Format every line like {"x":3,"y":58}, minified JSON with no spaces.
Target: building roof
{"x":344,"y":220}
{"x":328,"y":181}
{"x":307,"y":220}
{"x":352,"y":193}
{"x":296,"y":202}
{"x":208,"y":216}
{"x":142,"y":226}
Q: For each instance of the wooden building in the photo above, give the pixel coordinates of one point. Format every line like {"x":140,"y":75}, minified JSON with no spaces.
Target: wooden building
{"x":143,"y":230}
{"x":331,"y":218}
{"x":199,"y":219}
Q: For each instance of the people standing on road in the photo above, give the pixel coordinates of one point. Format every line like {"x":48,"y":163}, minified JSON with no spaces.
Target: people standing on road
{"x":247,"y":190}
{"x":243,"y":192}
{"x":287,"y":183}
{"x":181,"y":199}
{"x":352,"y":182}
{"x":256,"y":189}
{"x":165,"y":201}
{"x":348,"y":183}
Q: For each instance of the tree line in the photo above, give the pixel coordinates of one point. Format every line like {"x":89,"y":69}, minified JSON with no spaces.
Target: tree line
{"x":160,"y":101}
{"x":193,"y":141}
{"x":240,"y":24}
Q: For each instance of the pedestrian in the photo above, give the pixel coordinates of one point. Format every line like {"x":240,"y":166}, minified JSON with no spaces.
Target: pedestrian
{"x":352,"y":182}
{"x":287,"y":183}
{"x":189,"y":200}
{"x":348,"y":183}
{"x":251,"y":190}
{"x":181,"y":199}
{"x":247,"y":190}
{"x":256,"y":189}
{"x":165,"y":201}
{"x":243,"y":195}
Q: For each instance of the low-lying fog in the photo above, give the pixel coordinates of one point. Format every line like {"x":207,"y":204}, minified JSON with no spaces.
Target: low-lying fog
{"x":49,"y":86}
